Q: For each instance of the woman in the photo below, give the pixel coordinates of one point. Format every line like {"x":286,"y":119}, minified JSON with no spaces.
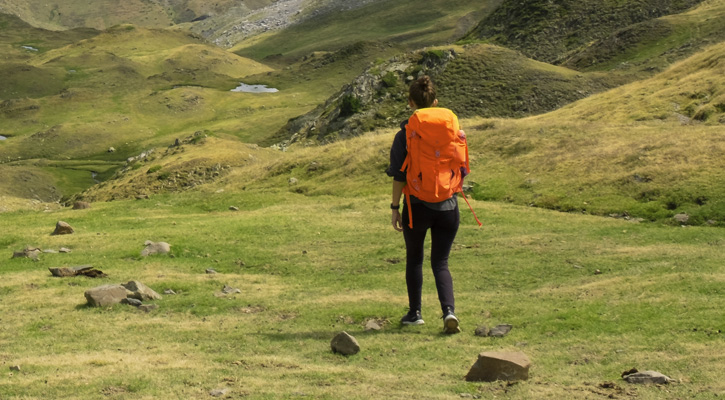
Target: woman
{"x":442,"y":218}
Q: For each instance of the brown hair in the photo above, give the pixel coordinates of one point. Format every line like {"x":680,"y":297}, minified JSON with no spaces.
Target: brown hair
{"x":422,"y":92}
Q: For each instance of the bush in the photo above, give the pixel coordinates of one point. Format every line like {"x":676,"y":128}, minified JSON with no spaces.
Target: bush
{"x":153,"y":169}
{"x":350,"y":105}
{"x":390,"y":79}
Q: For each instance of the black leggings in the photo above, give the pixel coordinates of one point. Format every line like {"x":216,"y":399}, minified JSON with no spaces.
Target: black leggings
{"x":443,"y":226}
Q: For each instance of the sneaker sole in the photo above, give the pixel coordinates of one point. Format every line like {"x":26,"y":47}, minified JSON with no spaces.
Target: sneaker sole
{"x":418,"y":322}
{"x":450,"y":325}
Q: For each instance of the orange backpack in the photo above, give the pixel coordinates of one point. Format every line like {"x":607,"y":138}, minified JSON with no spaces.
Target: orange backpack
{"x":437,"y":157}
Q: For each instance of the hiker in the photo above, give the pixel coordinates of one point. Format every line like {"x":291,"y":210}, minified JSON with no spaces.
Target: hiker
{"x":418,"y":216}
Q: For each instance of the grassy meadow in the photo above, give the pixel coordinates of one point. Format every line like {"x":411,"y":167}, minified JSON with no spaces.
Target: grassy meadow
{"x":588,"y":297}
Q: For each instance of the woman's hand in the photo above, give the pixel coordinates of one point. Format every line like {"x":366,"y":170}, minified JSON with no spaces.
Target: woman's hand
{"x":397,"y":221}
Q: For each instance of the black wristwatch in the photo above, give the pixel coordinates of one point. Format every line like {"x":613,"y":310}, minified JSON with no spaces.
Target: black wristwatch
{"x":392,"y":207}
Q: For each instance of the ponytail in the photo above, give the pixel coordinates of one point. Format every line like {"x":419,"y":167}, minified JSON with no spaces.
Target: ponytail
{"x":422,"y":92}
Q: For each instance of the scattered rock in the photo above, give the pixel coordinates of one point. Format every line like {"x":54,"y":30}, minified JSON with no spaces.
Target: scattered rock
{"x":15,"y":368}
{"x":482,"y":331}
{"x":500,"y":330}
{"x":155,"y":248}
{"x":106,"y":295}
{"x":148,"y":307}
{"x":63,"y":228}
{"x":29,"y":252}
{"x":597,"y":272}
{"x":645,"y":377}
{"x":293,"y":181}
{"x":111,"y":150}
{"x":142,"y":197}
{"x":169,"y":291}
{"x":233,"y":208}
{"x":681,"y":218}
{"x":344,"y":344}
{"x":372,"y":325}
{"x":81,"y":205}
{"x":64,"y":250}
{"x":140,"y":291}
{"x":219,"y":392}
{"x":85,"y":270}
{"x":230,"y":290}
{"x":49,"y":251}
{"x":211,"y":271}
{"x":505,"y":366}
{"x":132,"y":302}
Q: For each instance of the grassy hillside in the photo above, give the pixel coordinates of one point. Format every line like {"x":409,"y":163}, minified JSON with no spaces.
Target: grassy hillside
{"x":655,"y":44}
{"x":550,"y":31}
{"x":406,"y":22}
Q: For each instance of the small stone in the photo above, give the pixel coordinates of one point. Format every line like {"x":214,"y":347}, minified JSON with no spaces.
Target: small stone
{"x":131,"y":302}
{"x":15,"y":368}
{"x":233,"y":208}
{"x":681,"y":218}
{"x":344,"y":344}
{"x":81,"y":205}
{"x":106,"y":295}
{"x":155,"y":248}
{"x":597,"y":272}
{"x":372,"y":325}
{"x":211,"y":271}
{"x":169,"y":291}
{"x":28,"y":252}
{"x":482,"y":331}
{"x":49,"y":251}
{"x":64,"y":250}
{"x":111,"y":150}
{"x":230,"y":290}
{"x":218,"y":392}
{"x":148,"y":307}
{"x":140,"y":291}
{"x":505,"y":366}
{"x":645,"y":377}
{"x":63,"y":228}
{"x":500,"y":330}
{"x":293,"y":181}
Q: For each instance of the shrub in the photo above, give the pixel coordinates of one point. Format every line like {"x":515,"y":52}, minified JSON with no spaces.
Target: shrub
{"x":390,"y":79}
{"x":153,"y":169}
{"x":350,"y":105}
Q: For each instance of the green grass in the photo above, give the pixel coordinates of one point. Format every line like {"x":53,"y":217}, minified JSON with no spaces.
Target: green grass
{"x":656,"y":304}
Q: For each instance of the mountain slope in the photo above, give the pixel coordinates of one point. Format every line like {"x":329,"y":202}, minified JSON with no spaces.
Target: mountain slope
{"x":551,"y":31}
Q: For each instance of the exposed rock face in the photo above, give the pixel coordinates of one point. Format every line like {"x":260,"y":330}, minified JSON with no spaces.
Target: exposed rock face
{"x":140,"y":291}
{"x":106,"y":295}
{"x":344,"y":344}
{"x":505,"y":366}
{"x":63,"y":228}
{"x":155,"y":248}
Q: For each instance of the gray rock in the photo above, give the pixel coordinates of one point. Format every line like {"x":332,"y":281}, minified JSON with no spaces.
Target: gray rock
{"x":155,"y":248}
{"x":148,"y":307}
{"x":131,"y":302}
{"x":500,"y":330}
{"x":505,"y":366}
{"x":482,"y":331}
{"x":28,"y":252}
{"x":681,"y":218}
{"x":81,"y":205}
{"x":644,"y":377}
{"x":140,"y":291}
{"x":50,"y":251}
{"x":233,"y":208}
{"x":15,"y":368}
{"x":372,"y":325}
{"x":169,"y":291}
{"x":64,"y":250}
{"x":211,"y":271}
{"x":344,"y":344}
{"x":230,"y":290}
{"x":85,"y":270}
{"x":218,"y":392}
{"x":106,"y":295}
{"x":63,"y":228}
